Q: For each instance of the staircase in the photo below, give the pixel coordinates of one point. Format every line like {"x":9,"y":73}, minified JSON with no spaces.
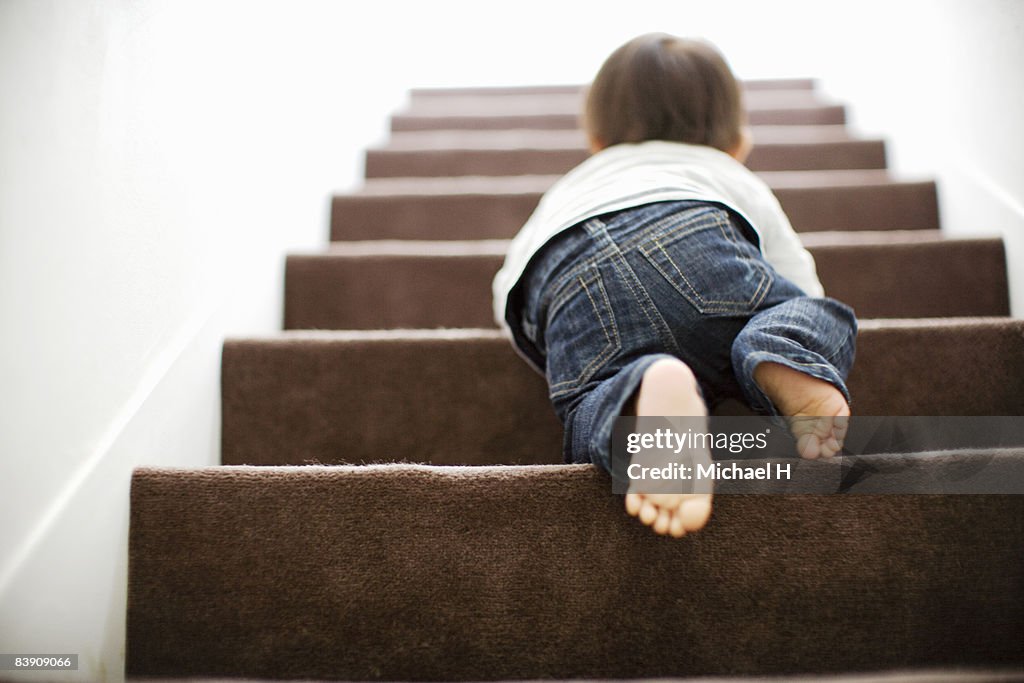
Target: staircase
{"x":392,"y":505}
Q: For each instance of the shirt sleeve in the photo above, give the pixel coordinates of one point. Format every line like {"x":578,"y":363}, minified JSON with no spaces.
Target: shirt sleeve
{"x":783,"y":249}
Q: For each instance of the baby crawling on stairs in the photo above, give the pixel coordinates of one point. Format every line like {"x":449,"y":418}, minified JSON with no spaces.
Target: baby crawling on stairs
{"x":660,"y":277}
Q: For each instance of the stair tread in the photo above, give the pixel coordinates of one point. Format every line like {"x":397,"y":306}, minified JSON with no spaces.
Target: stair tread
{"x":798,"y":83}
{"x":830,"y":238}
{"x":498,"y":247}
{"x":806,"y":155}
{"x":574,"y":139}
{"x":572,"y":103}
{"x":826,"y":114}
{"x":425,"y":248}
{"x":401,"y":335}
{"x":531,"y":184}
{"x":291,"y":337}
{"x":808,"y":477}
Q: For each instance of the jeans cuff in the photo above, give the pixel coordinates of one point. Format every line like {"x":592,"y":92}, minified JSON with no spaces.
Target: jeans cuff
{"x":760,"y":401}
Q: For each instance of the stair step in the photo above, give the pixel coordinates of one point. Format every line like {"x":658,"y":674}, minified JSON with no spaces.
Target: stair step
{"x":332,"y":397}
{"x":575,"y":88}
{"x":475,"y":207}
{"x":554,"y":139}
{"x":464,"y":397}
{"x":516,"y":104}
{"x":390,"y":162}
{"x":411,"y":284}
{"x":501,"y":573}
{"x":823,"y":114}
{"x":899,"y":274}
{"x":916,"y":278}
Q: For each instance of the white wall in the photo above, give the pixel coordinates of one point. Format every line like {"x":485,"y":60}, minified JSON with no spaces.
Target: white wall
{"x":158,"y":159}
{"x":941,"y":80}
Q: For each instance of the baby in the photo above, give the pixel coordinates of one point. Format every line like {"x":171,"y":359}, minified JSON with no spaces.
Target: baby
{"x":661,"y":277}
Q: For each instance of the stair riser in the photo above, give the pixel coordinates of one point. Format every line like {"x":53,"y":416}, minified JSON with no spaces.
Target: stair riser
{"x":879,"y":281}
{"x":416,"y":575}
{"x":918,"y":280}
{"x":903,"y":206}
{"x":445,"y":400}
{"x":384,"y":163}
{"x":325,"y":292}
{"x":818,"y":116}
{"x":473,"y":401}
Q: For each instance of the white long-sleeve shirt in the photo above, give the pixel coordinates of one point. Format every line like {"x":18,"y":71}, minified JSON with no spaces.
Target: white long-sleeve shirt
{"x":629,"y":175}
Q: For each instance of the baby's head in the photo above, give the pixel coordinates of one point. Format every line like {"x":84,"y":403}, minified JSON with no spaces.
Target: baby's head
{"x":659,"y":87}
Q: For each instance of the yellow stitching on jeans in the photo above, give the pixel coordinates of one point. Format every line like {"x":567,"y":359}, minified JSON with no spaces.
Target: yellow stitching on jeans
{"x":602,"y":355}
{"x":608,"y":308}
{"x":682,"y":275}
{"x":711,"y":305}
{"x":629,"y":282}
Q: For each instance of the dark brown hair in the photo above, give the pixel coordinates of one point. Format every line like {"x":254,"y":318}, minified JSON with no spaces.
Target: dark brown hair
{"x":660,"y":87}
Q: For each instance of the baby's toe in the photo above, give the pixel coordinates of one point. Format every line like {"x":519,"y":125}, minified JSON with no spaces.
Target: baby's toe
{"x":677,"y":527}
{"x":648,"y":513}
{"x":662,"y":523}
{"x":695,"y":511}
{"x":634,"y":502}
{"x":809,"y":446}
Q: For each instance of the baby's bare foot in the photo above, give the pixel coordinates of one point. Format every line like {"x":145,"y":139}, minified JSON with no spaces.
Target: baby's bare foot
{"x":816,"y":411}
{"x":670,"y":513}
{"x":670,"y":389}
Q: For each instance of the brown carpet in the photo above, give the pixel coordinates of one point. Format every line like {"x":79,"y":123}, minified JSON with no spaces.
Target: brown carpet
{"x":463,"y":396}
{"x":388,"y":162}
{"x":495,"y":208}
{"x":893,"y":274}
{"x":826,"y":114}
{"x":400,"y":572}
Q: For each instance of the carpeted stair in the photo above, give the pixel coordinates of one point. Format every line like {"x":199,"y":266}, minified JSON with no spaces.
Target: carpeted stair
{"x":496,"y":153}
{"x":489,"y":207}
{"x":316,"y":396}
{"x":391,"y":507}
{"x":554,"y":110}
{"x":882,"y":274}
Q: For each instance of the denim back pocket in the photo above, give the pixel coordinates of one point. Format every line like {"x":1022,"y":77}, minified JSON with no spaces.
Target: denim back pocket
{"x":708,"y":261}
{"x":581,"y":331}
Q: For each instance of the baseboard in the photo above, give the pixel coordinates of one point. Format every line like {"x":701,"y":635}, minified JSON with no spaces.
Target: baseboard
{"x":973,"y":203}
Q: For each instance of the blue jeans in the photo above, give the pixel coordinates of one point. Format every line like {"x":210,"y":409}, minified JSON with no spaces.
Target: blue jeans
{"x":604,"y":300}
